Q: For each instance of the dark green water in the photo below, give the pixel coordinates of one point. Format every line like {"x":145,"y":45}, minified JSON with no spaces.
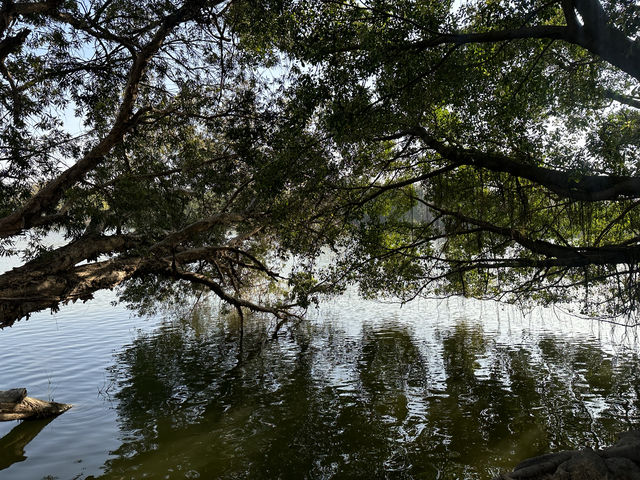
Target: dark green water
{"x":361,"y":390}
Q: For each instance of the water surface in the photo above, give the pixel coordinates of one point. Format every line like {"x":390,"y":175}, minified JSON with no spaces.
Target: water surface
{"x":433,"y":390}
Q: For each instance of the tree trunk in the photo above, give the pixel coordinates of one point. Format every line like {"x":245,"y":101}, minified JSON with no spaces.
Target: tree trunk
{"x":15,"y":405}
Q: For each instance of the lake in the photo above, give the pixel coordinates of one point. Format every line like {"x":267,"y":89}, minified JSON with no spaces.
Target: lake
{"x":362,"y":389}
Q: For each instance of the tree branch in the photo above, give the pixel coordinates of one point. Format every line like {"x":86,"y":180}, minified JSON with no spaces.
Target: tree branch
{"x":380,"y":189}
{"x":558,"y":254}
{"x":48,"y":196}
{"x":568,"y":8}
{"x":198,"y":227}
{"x":574,"y":185}
{"x":550,"y":32}
{"x":624,"y":99}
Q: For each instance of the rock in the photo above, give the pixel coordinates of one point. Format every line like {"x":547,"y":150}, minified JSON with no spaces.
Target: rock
{"x":619,"y":462}
{"x":622,"y":469}
{"x":628,"y":438}
{"x":584,"y":465}
{"x":538,"y":466}
{"x":12,"y":396}
{"x":630,"y":451}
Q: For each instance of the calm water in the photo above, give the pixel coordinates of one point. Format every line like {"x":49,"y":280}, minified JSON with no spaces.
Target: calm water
{"x":362,"y":390}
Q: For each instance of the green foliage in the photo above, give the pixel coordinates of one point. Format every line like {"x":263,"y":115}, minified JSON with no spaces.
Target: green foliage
{"x":374,"y":70}
{"x":399,"y":135}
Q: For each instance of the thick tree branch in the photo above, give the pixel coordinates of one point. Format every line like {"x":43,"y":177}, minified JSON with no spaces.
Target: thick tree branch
{"x":550,"y":32}
{"x":10,"y":10}
{"x":30,"y":295}
{"x":195,"y":228}
{"x":55,"y":279}
{"x":597,"y":35}
{"x":591,"y":12}
{"x":574,"y":185}
{"x":84,"y":248}
{"x":48,"y":196}
{"x":568,"y":8}
{"x":58,"y":276}
{"x":624,"y":99}
{"x":604,"y":40}
{"x":12,"y":44}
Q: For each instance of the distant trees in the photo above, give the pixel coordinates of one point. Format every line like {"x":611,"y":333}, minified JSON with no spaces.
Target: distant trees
{"x":216,"y":135}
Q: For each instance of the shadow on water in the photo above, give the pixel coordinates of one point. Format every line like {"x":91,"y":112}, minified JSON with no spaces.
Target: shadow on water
{"x":385,"y":402}
{"x":13,"y":444}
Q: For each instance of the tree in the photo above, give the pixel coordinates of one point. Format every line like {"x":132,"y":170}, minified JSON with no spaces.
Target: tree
{"x":181,"y":175}
{"x":509,"y":128}
{"x":487,"y":149}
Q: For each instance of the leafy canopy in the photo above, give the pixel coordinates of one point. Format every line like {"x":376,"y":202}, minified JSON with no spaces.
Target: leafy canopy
{"x":484,"y":148}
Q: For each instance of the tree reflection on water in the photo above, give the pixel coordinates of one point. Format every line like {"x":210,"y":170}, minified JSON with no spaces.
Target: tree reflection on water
{"x":13,"y":444}
{"x":193,"y":402}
